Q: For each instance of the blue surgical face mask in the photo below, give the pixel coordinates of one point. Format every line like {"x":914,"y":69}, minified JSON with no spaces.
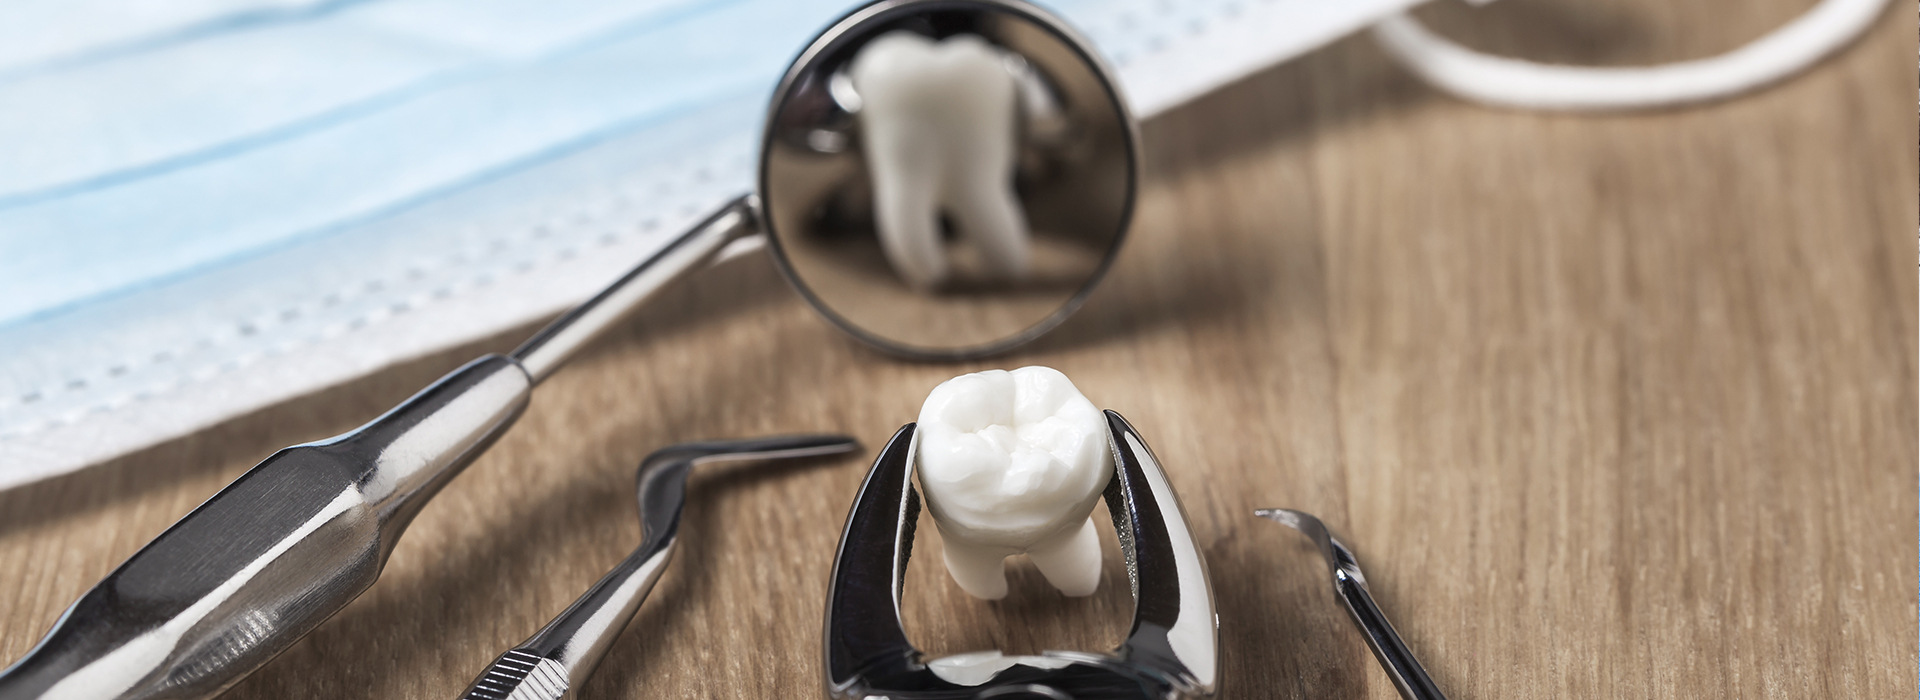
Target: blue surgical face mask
{"x":209,"y":206}
{"x":183,"y":136}
{"x":137,"y":167}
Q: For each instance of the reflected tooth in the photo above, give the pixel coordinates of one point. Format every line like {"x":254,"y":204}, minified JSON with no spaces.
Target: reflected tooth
{"x":937,"y":129}
{"x":1012,"y":462}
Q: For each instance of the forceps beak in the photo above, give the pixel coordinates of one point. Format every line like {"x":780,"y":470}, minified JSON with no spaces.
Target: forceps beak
{"x":1351,"y":586}
{"x":1170,"y":651}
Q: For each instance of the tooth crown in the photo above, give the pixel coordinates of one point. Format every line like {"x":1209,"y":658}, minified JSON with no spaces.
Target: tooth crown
{"x":1010,"y":459}
{"x":955,"y":82}
{"x":938,"y":133}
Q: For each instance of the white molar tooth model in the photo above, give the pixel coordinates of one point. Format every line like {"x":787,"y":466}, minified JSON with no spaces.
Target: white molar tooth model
{"x":1011,"y":463}
{"x":937,"y":126}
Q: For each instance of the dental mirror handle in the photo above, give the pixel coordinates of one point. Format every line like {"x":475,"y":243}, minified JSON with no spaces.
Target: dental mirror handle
{"x":1350,"y":585}
{"x":553,"y":345}
{"x":563,"y":654}
{"x":291,"y":542}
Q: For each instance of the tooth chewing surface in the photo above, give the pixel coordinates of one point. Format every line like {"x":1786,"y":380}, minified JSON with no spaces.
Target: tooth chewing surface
{"x":937,"y":129}
{"x":1012,"y":462}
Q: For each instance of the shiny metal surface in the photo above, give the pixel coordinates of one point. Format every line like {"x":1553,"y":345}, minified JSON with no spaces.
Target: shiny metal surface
{"x":1409,"y":677}
{"x":276,"y":553}
{"x":558,"y":660}
{"x":272,"y":555}
{"x":1170,"y":652}
{"x":1078,"y":169}
{"x":551,"y":346}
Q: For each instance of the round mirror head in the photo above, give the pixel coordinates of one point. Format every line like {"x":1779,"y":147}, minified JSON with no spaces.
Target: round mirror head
{"x":947,"y":179}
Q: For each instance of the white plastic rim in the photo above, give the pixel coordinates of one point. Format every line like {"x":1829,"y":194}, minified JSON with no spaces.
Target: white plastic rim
{"x":1507,"y":82}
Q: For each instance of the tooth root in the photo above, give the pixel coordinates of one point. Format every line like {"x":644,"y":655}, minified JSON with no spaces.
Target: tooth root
{"x":980,"y":161}
{"x":980,"y":571}
{"x":987,"y":214}
{"x":1071,"y":560}
{"x":937,"y":131}
{"x":904,"y":210}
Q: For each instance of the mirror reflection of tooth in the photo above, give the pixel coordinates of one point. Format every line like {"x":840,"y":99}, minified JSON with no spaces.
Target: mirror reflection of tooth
{"x":1073,"y":192}
{"x":937,"y":124}
{"x":989,"y":213}
{"x":1043,"y":118}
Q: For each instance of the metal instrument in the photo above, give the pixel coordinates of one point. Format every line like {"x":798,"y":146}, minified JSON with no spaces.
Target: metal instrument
{"x":554,"y":663}
{"x":1076,"y":180}
{"x":1351,"y":587}
{"x":274,"y":554}
{"x":1170,"y":652}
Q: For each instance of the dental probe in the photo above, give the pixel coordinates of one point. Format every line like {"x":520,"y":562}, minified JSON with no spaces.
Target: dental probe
{"x":291,"y":542}
{"x":555,"y":662}
{"x":1351,"y":586}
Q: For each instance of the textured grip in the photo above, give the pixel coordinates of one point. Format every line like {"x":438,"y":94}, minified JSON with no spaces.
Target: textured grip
{"x":270,"y":557}
{"x":519,"y":675}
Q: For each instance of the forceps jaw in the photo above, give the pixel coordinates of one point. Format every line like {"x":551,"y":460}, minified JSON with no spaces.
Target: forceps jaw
{"x":1169,"y":652}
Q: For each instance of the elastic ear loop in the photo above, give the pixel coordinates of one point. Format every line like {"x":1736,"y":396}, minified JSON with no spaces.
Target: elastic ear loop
{"x":1507,"y":82}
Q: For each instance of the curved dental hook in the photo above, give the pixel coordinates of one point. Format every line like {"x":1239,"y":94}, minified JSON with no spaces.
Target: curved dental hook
{"x":1350,"y":585}
{"x":564,"y":653}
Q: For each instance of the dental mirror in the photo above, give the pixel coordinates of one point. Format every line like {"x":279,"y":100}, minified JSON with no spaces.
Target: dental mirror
{"x":1007,"y":164}
{"x":987,"y":134}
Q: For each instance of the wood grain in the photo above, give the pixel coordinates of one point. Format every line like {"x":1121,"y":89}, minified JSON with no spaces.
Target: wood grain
{"x":1610,"y":406}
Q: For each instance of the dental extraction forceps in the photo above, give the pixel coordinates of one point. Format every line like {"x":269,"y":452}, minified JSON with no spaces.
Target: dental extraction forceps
{"x":1351,"y":586}
{"x":1170,"y":652}
{"x":555,"y":662}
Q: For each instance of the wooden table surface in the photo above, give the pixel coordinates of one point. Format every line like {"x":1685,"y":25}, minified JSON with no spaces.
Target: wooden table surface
{"x":1610,"y":407}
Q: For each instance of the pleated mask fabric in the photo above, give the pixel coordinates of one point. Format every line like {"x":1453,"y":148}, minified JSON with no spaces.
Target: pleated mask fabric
{"x":211,"y":206}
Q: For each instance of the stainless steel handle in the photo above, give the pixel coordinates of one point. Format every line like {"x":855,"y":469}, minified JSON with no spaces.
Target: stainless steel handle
{"x":1408,"y":676}
{"x":272,"y":555}
{"x":1350,"y":585}
{"x":557,"y":660}
{"x":554,"y":344}
{"x":299,"y":536}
